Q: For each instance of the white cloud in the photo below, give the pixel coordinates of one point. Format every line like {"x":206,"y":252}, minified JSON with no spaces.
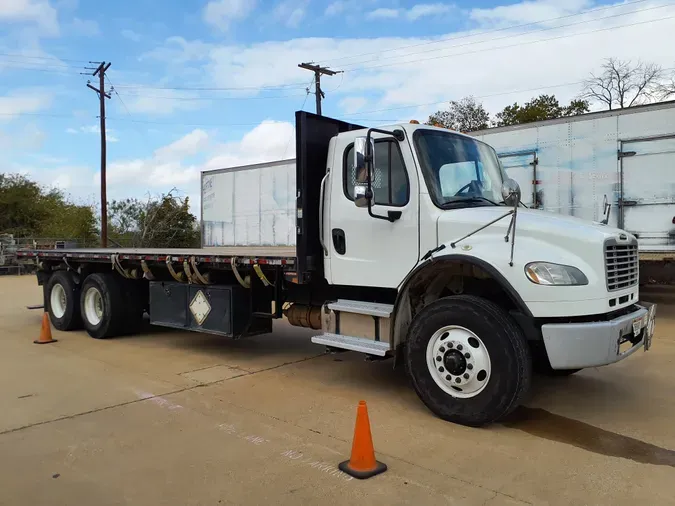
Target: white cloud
{"x":384,"y":13}
{"x":153,"y":102}
{"x":269,"y":141}
{"x":335,"y":8}
{"x":164,"y":169}
{"x":94,"y":129}
{"x":424,"y":10}
{"x":171,"y":166}
{"x":27,"y":137}
{"x":23,"y":102}
{"x":222,"y":13}
{"x":528,"y":11}
{"x":352,"y":105}
{"x":413,"y":14}
{"x":177,"y":50}
{"x":291,"y":12}
{"x":39,"y":12}
{"x":131,"y":35}
{"x":84,"y":27}
{"x":189,"y":145}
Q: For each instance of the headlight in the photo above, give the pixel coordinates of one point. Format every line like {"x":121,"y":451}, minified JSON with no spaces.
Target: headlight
{"x":544,"y":273}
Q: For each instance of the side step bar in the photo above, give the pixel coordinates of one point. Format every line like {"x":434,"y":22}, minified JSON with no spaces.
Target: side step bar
{"x":360,"y":307}
{"x":378,"y":348}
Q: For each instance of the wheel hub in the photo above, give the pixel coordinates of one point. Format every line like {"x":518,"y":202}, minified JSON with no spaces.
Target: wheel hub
{"x":458,"y":361}
{"x":454,"y":362}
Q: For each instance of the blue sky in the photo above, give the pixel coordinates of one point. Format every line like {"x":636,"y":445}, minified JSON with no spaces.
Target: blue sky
{"x":208,"y":84}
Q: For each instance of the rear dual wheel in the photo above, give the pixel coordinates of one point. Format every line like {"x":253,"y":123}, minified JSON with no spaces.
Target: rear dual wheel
{"x":110,"y":305}
{"x":63,"y":301}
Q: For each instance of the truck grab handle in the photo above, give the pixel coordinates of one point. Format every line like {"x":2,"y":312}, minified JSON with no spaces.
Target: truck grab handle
{"x":321,"y":192}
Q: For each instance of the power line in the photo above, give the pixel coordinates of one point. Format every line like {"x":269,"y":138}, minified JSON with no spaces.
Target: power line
{"x":511,"y":27}
{"x":42,"y":57}
{"x":513,"y":92}
{"x":212,"y":98}
{"x":197,"y":88}
{"x":510,"y":45}
{"x":513,"y":36}
{"x":302,"y":108}
{"x":51,"y":70}
{"x":489,"y":95}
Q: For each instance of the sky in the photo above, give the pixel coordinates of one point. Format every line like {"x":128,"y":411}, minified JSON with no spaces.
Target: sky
{"x":205,"y":84}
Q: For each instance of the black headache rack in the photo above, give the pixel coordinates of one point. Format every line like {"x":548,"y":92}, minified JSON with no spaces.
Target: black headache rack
{"x":312,"y":137}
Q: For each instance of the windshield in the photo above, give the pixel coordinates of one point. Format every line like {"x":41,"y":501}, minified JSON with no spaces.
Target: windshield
{"x":459,"y":170}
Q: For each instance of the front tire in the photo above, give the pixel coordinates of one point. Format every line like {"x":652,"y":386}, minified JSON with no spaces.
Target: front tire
{"x":469,"y":362}
{"x":63,"y":301}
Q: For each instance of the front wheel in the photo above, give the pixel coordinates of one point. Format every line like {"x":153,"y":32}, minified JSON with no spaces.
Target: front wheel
{"x":468,"y":360}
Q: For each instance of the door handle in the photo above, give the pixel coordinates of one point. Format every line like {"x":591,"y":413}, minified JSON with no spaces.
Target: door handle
{"x":339,"y":242}
{"x":321,"y":195}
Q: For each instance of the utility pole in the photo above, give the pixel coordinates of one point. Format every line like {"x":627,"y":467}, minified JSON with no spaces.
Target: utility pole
{"x":102,"y":95}
{"x":318,"y":71}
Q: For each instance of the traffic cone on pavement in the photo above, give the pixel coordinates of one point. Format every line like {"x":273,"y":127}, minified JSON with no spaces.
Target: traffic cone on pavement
{"x":45,"y":331}
{"x":362,"y":463}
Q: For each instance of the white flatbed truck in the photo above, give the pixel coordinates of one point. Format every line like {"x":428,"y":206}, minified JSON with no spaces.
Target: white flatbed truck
{"x":410,"y":243}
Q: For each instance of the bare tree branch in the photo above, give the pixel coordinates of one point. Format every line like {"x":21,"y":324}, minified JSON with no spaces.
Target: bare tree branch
{"x":621,"y":84}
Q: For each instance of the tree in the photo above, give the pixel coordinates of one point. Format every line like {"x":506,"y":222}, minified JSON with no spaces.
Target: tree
{"x":621,"y":84}
{"x":540,"y":108}
{"x":666,"y":89}
{"x":27,"y":209}
{"x":156,"y":223}
{"x":465,"y":115}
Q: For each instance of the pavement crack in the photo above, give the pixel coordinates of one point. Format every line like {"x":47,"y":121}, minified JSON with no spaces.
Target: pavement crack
{"x":235,"y":367}
{"x":97,"y":410}
{"x":278,"y":366}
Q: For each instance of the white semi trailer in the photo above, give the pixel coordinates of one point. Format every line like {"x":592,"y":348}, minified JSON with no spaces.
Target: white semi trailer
{"x":616,"y":164}
{"x":407,"y":241}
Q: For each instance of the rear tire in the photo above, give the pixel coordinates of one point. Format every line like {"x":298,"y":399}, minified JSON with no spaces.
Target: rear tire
{"x":103,"y":305}
{"x":63,"y":301}
{"x":453,"y":333}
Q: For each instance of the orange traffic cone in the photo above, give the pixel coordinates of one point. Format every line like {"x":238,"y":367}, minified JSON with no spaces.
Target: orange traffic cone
{"x":362,"y":463}
{"x":45,"y":331}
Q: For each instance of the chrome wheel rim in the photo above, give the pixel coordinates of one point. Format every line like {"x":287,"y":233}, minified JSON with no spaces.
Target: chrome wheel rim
{"x":458,"y":361}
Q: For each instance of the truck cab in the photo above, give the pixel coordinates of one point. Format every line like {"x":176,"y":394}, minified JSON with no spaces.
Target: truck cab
{"x":486,"y":288}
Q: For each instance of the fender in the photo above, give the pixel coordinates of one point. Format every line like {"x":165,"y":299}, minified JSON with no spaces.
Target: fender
{"x":454,"y":258}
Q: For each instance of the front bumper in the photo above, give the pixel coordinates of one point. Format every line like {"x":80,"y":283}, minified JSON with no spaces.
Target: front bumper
{"x":592,"y":344}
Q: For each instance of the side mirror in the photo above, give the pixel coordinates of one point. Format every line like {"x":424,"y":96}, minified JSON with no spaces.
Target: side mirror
{"x":360,"y":198}
{"x":360,"y":158}
{"x":511,"y":192}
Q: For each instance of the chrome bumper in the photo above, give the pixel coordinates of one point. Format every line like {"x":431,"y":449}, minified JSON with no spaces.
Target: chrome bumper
{"x":592,"y":344}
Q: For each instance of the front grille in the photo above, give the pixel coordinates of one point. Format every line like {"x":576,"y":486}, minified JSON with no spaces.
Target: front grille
{"x":621,"y":265}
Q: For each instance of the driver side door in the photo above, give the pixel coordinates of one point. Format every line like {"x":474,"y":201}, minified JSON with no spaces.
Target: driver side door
{"x":366,"y":251}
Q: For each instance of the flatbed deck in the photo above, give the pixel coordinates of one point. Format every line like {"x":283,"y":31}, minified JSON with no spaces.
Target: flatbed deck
{"x":274,"y":255}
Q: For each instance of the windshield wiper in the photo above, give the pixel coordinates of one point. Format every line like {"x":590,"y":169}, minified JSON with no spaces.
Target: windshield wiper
{"x":468,"y":200}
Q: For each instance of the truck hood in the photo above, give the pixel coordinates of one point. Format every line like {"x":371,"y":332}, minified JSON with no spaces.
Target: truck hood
{"x":551,"y":228}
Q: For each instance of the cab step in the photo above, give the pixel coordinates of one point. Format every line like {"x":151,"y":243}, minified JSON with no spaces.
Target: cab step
{"x":360,"y":307}
{"x":368,"y":346}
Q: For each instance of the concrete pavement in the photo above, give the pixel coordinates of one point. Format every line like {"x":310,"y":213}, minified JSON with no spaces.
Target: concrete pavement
{"x":178,"y":418}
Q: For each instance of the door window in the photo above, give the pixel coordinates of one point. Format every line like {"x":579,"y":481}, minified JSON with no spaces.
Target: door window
{"x":389,"y":181}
